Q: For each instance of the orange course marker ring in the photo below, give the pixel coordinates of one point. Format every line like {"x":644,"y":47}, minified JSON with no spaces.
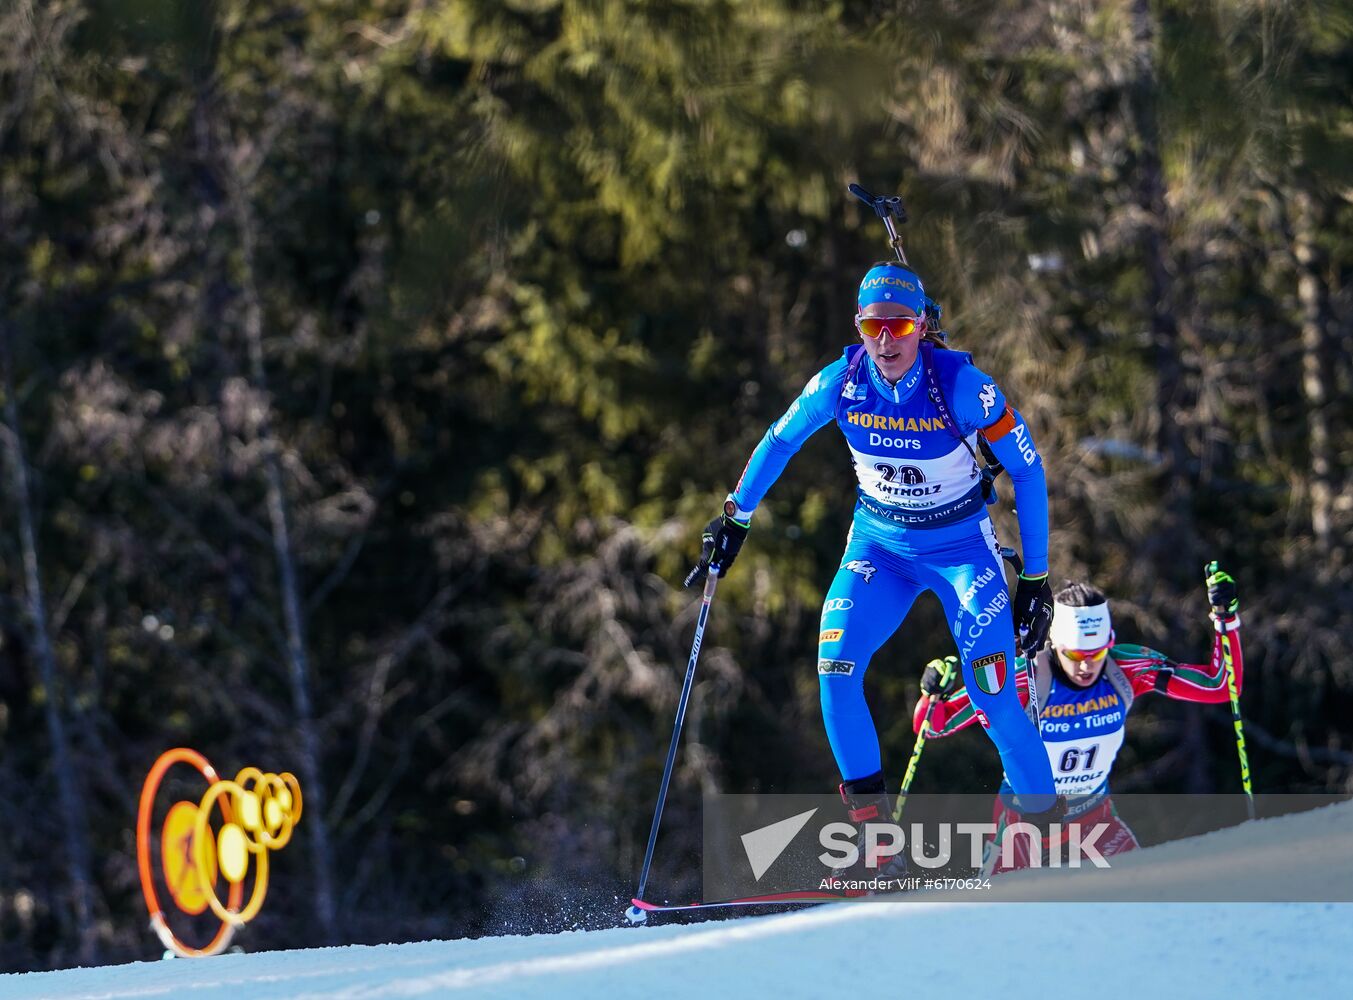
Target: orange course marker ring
{"x":259,"y":811}
{"x":182,"y":884}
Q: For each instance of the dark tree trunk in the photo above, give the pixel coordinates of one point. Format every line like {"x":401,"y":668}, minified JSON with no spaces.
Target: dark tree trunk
{"x":1171,"y":543}
{"x":298,"y":662}
{"x":1316,"y":320}
{"x":227,"y":190}
{"x":70,"y":797}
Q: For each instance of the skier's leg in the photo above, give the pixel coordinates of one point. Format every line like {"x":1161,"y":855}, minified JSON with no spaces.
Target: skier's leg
{"x":866,"y":602}
{"x":969,"y":578}
{"x":864,"y":606}
{"x":1118,"y":838}
{"x":1005,"y":854}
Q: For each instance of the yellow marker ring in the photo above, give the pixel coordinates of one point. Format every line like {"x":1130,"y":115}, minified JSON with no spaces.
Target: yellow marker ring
{"x":275,"y":829}
{"x":204,"y":844}
{"x":264,"y":807}
{"x":288,"y":799}
{"x":294,"y":807}
{"x":273,"y":816}
{"x":278,"y":818}
{"x":262,"y":829}
{"x":247,"y":801}
{"x":248,"y":779}
{"x":232,"y":849}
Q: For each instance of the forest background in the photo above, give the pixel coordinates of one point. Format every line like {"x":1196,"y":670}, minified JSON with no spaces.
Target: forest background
{"x":371,"y":366}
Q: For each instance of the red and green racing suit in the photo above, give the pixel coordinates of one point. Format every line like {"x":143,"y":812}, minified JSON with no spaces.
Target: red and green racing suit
{"x":1083,"y":728}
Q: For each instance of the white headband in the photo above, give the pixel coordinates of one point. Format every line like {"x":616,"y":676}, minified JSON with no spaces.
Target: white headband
{"x":1080,"y":628}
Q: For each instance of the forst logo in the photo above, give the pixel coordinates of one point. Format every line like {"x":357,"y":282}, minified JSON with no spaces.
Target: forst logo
{"x":839,"y":668}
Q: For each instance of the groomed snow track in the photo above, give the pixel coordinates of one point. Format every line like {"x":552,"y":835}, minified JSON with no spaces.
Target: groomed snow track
{"x":933,"y":946}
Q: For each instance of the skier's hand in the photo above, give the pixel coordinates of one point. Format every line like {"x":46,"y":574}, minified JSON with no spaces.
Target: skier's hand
{"x":1221,"y":592}
{"x":719,"y":545}
{"x":941,"y":677}
{"x":1033,"y":613}
{"x":938,"y":682}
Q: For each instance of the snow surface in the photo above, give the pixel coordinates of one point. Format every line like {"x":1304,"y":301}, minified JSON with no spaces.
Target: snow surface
{"x":933,"y":947}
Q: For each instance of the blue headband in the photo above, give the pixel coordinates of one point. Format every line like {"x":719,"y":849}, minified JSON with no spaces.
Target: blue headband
{"x":892,"y":283}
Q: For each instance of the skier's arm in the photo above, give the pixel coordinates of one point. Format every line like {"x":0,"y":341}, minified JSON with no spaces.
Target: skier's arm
{"x":815,"y":407}
{"x":1013,"y":445}
{"x":723,"y":536}
{"x":956,"y":712}
{"x":1193,"y":681}
{"x":1151,"y":671}
{"x":979,"y":404}
{"x":947,"y":717}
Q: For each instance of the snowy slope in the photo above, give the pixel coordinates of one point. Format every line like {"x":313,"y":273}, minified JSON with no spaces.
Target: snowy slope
{"x":932,"y":948}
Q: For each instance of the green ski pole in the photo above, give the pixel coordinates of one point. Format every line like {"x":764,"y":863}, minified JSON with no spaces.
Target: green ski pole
{"x":947,"y":666}
{"x":1214,"y":572}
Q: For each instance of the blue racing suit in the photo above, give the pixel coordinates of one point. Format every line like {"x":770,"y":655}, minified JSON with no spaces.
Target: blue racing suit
{"x":920,"y":523}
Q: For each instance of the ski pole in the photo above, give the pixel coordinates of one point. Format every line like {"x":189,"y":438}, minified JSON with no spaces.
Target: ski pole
{"x":1228,"y":666}
{"x":1012,"y":557}
{"x":946,"y":672}
{"x":634,"y":914}
{"x":1236,"y":721}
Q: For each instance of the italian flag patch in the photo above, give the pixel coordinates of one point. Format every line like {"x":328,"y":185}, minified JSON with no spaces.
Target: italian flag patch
{"x":990,"y":672}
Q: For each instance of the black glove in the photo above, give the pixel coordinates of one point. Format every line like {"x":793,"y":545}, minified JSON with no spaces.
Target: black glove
{"x":719,"y":545}
{"x":1221,"y":591}
{"x":941,"y":677}
{"x":1033,"y":613}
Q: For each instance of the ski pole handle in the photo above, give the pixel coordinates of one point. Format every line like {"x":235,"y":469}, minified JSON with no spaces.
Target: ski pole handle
{"x":1012,"y":557}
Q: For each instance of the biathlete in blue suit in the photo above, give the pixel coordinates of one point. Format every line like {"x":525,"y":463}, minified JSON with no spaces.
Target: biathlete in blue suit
{"x":920,"y":523}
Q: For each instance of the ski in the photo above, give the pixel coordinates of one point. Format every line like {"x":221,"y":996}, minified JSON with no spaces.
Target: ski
{"x":768,"y":900}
